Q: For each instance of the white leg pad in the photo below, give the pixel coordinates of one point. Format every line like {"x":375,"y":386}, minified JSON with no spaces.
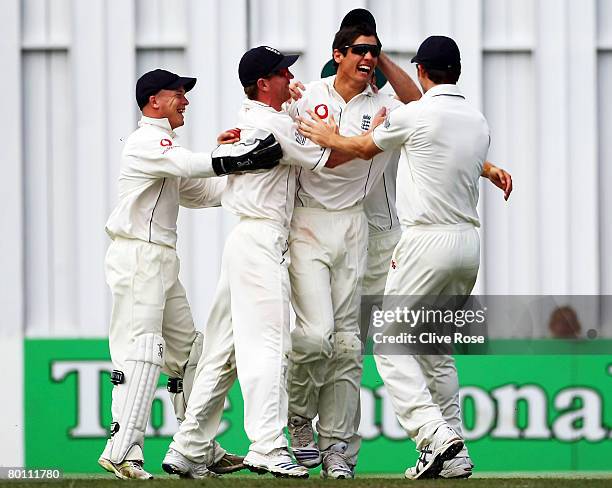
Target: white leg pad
{"x":136,"y":394}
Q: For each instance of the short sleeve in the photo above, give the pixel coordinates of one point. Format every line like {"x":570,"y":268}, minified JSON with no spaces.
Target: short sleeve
{"x":297,"y":149}
{"x":397,"y":128}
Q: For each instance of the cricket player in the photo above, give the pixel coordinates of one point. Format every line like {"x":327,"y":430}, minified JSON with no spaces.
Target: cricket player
{"x":151,"y":324}
{"x":328,"y":242}
{"x":444,"y":143}
{"x":384,"y":233}
{"x":248,"y":329}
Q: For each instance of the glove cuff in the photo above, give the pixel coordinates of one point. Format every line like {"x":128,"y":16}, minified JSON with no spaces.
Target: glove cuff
{"x":218,"y":167}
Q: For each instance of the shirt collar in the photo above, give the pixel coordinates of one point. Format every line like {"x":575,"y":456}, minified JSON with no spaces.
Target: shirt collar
{"x":161,"y":123}
{"x":248,"y":103}
{"x":444,"y":90}
{"x":330,"y":80}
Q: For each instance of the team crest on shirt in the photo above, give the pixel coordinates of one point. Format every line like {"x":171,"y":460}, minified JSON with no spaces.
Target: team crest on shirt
{"x":366,"y":120}
{"x":299,"y":138}
{"x":387,"y":122}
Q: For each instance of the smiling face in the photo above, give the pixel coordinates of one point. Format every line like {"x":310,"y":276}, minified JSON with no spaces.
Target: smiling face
{"x":274,"y":89}
{"x":355,"y":66}
{"x":280,"y":84}
{"x":170,"y":104}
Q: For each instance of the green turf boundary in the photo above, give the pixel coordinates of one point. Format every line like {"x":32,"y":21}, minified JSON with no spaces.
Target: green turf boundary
{"x":244,"y":481}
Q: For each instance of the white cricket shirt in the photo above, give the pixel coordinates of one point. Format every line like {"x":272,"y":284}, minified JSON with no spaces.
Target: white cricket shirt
{"x":347,"y":185}
{"x":379,"y":204}
{"x":271,"y":194}
{"x":444,"y":145}
{"x":157,"y":175}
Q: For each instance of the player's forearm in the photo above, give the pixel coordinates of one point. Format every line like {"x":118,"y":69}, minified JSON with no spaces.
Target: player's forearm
{"x":403,"y":85}
{"x":336,"y":159}
{"x":486,"y":169}
{"x":361,"y":147}
{"x":201,"y":192}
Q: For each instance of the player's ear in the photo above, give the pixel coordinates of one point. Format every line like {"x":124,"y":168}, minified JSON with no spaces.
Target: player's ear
{"x":153,"y":102}
{"x":338,"y":55}
{"x":262,"y":84}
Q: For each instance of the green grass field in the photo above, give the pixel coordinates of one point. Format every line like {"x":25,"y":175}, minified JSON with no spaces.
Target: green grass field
{"x":253,"y":481}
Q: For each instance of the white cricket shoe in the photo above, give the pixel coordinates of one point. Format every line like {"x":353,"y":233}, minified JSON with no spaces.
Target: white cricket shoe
{"x":458,"y":467}
{"x":127,"y":470}
{"x":445,"y":445}
{"x":303,"y":443}
{"x":335,"y":463}
{"x":278,"y":462}
{"x":175,"y":463}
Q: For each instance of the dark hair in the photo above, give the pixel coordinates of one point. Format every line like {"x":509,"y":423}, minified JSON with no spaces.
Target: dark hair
{"x":251,"y":91}
{"x":347,"y":35}
{"x":443,"y":76}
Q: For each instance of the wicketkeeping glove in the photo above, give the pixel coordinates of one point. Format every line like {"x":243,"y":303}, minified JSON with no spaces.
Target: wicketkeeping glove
{"x":248,"y":155}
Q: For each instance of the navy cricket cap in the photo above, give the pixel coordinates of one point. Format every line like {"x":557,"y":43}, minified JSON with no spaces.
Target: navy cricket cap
{"x":262,"y":61}
{"x":438,"y":52}
{"x":159,"y":79}
{"x":358,"y":16}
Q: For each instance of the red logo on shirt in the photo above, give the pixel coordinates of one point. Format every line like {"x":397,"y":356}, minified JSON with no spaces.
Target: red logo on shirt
{"x":322,"y":111}
{"x":165,"y":142}
{"x":393,"y":265}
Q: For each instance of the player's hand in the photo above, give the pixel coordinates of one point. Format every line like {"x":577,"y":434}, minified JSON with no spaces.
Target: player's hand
{"x":295,"y":89}
{"x":501,"y":179}
{"x":316,"y":130}
{"x":379,"y":118}
{"x":228,"y":136}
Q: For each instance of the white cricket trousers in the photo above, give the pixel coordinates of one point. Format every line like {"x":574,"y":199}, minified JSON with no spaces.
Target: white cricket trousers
{"x":328,"y":260}
{"x":249,"y":323}
{"x":148,"y":297}
{"x":432,"y":260}
{"x":380,"y":248}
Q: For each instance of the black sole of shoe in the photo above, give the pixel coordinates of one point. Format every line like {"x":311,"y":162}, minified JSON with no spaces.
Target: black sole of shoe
{"x":170,"y":469}
{"x":433,"y":470}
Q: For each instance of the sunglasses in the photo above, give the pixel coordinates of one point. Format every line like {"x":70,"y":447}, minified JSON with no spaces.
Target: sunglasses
{"x":363,"y":49}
